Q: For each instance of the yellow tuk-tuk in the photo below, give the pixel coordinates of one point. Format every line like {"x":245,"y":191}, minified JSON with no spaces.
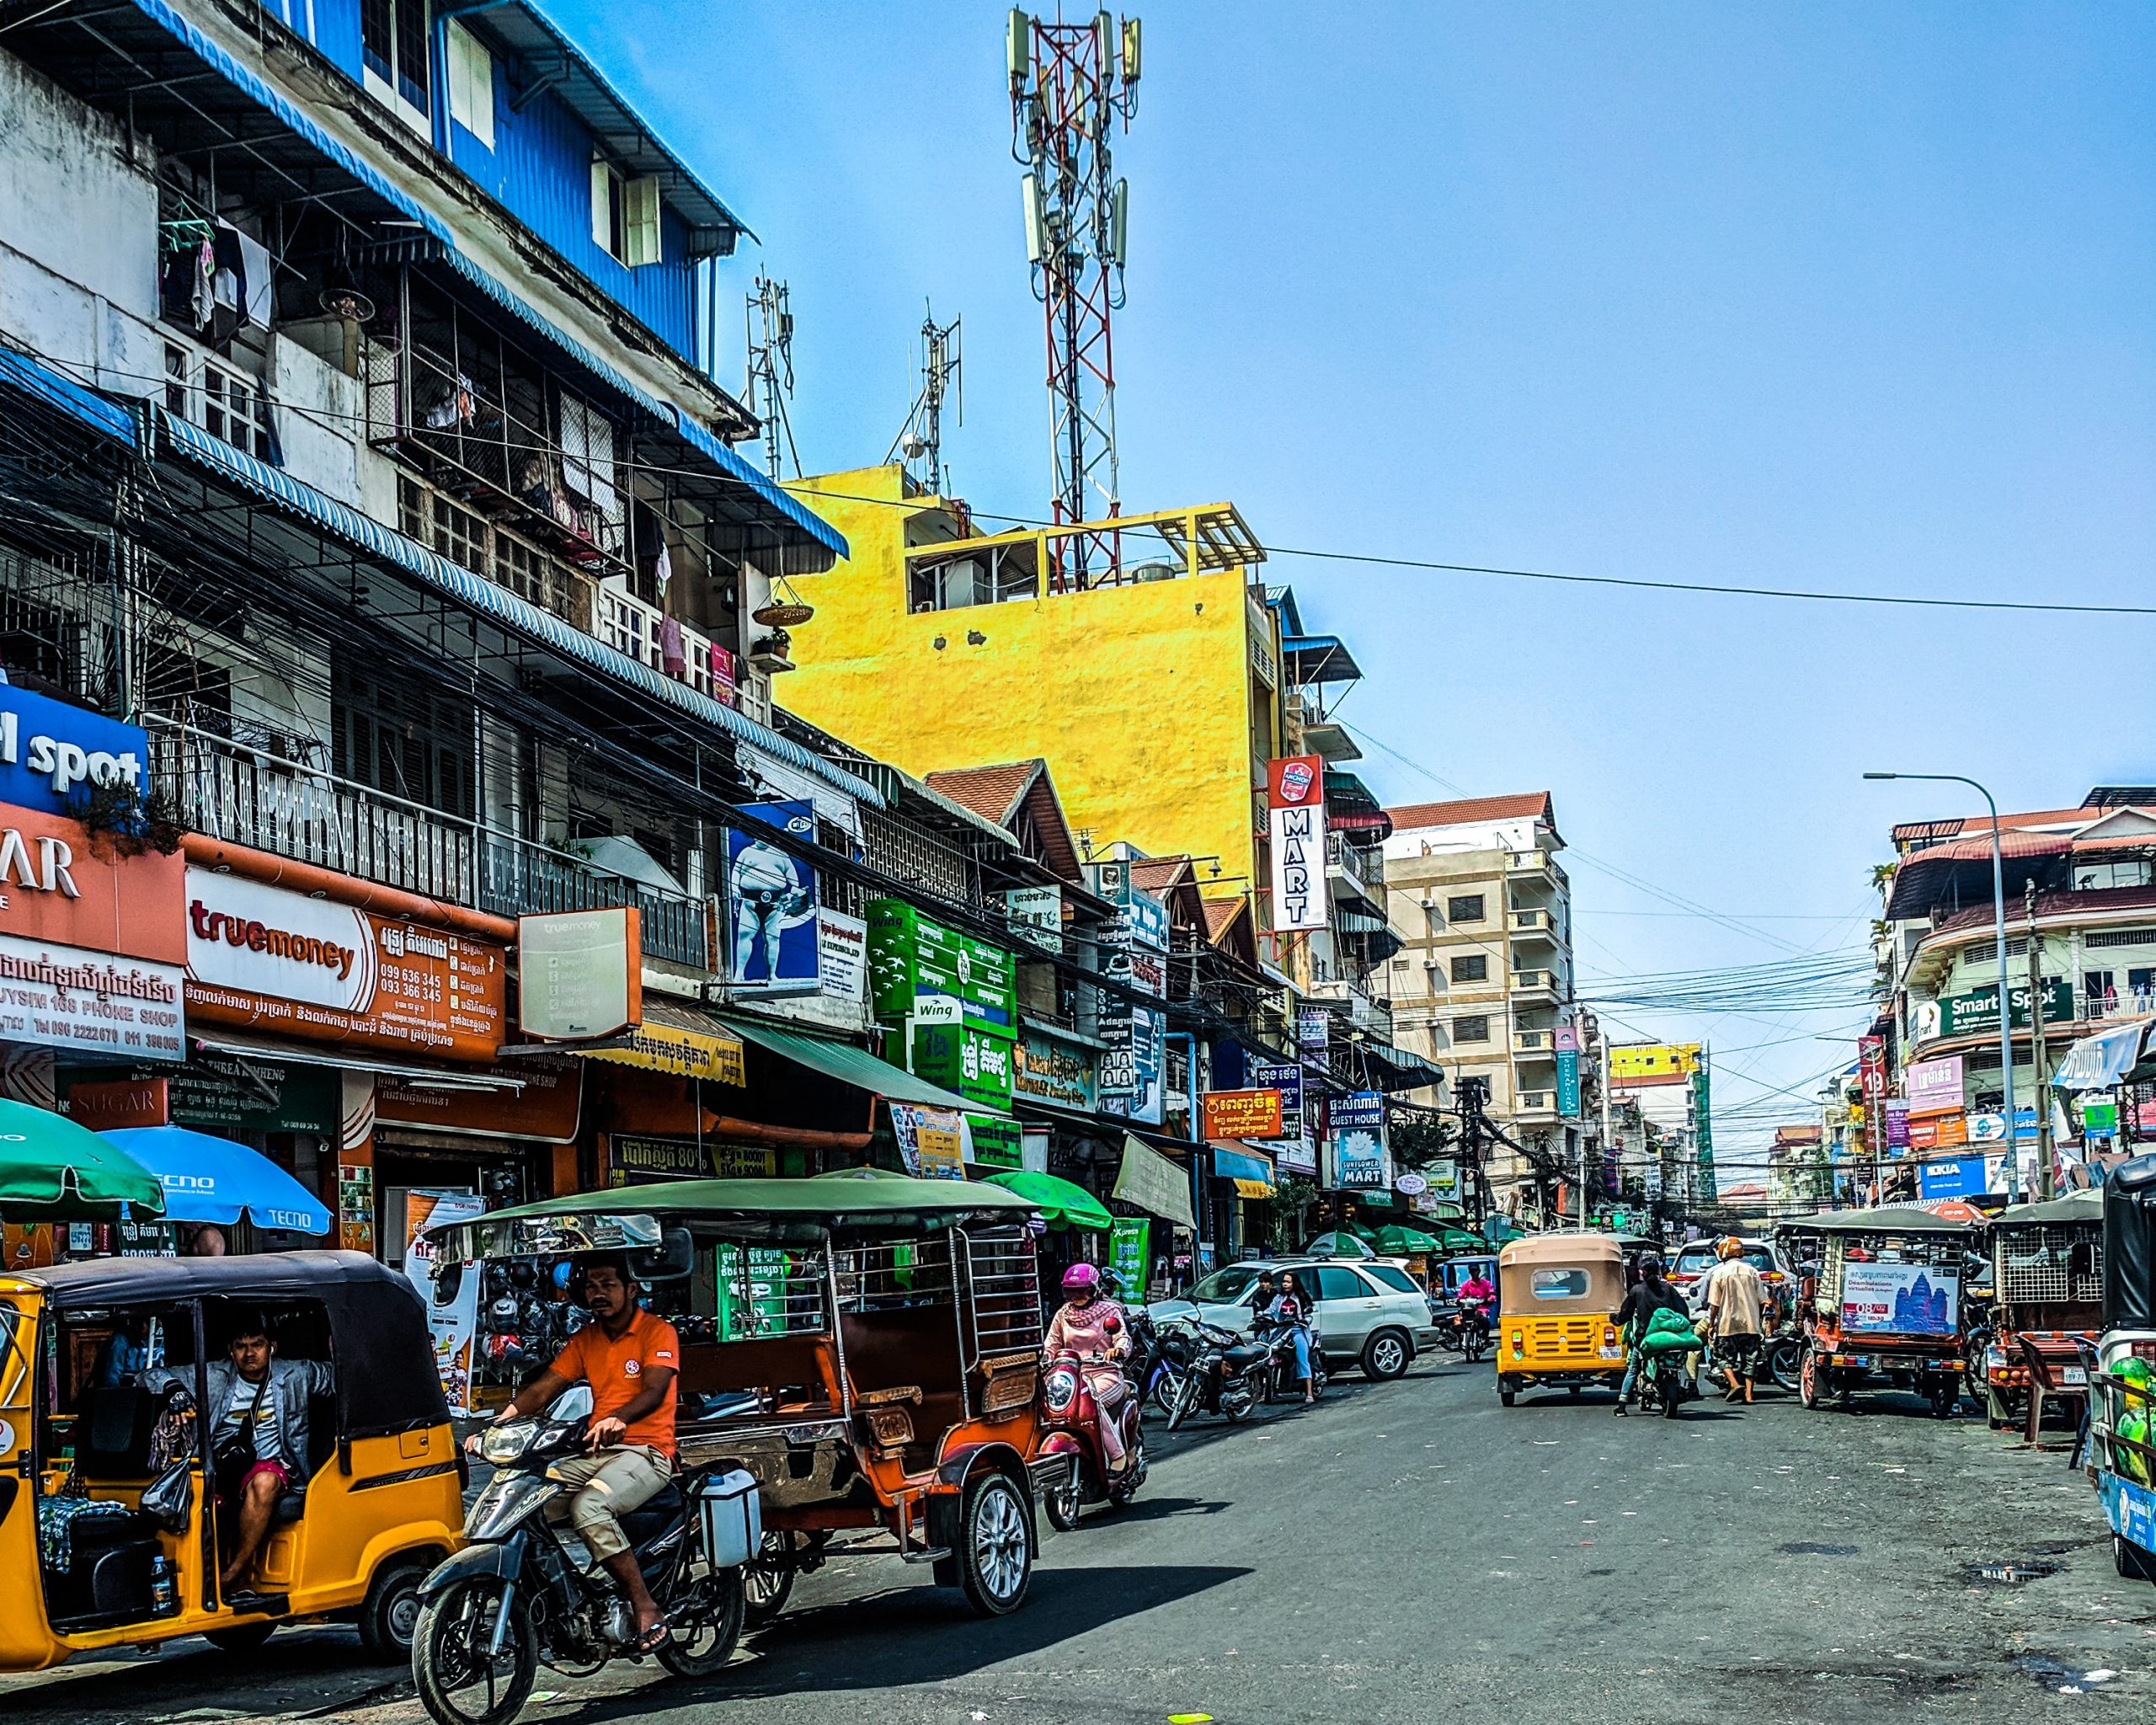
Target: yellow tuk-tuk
{"x":1557,"y":1300}
{"x":106,"y":1369}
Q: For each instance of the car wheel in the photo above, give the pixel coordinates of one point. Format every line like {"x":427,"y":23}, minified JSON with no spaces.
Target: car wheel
{"x":1386,"y":1355}
{"x":240,"y":1639}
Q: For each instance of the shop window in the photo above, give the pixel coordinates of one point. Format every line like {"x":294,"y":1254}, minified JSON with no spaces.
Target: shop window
{"x":1471,"y":967}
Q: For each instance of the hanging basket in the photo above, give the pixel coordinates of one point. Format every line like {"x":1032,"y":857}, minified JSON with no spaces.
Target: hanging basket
{"x":782,"y":614}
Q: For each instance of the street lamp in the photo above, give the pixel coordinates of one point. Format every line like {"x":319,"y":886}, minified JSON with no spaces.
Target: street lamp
{"x":1999,"y":928}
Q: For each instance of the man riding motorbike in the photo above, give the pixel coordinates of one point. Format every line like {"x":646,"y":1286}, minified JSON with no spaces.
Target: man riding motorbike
{"x":1649,"y":1295}
{"x":1091,"y":1326}
{"x":1478,"y":1301}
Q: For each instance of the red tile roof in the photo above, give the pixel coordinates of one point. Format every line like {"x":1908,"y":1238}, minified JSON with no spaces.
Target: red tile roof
{"x":1468,"y":811}
{"x":992,"y":791}
{"x":1917,"y":831}
{"x":1220,"y":913}
{"x":1020,"y":796}
{"x":1158,"y":874}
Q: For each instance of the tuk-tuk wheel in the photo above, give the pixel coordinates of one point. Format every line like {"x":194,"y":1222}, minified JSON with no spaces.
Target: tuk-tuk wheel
{"x":390,"y":1615}
{"x":239,"y":1637}
{"x":1807,"y":1380}
{"x":996,"y":1547}
{"x":2131,"y":1561}
{"x":1506,"y":1397}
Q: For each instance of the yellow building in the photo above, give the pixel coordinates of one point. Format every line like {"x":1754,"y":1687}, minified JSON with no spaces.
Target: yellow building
{"x":1139,"y":658}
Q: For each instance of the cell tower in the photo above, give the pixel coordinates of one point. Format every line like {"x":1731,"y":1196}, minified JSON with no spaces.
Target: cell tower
{"x":919,"y":440}
{"x":770,"y":368}
{"x":1070,"y":83}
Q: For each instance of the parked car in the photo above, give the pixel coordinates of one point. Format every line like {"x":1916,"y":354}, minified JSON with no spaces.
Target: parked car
{"x":1369,"y":1313}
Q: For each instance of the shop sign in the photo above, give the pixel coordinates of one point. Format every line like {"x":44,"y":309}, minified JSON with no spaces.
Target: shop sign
{"x":1297,"y":1156}
{"x":52,"y":756}
{"x":1934,"y":1087}
{"x":911,"y":956}
{"x":1445,"y":1180}
{"x":234,"y":1097}
{"x":1035,"y":913}
{"x":1899,"y":1298}
{"x":659,"y":1158}
{"x":1963,"y":1014}
{"x":725,"y":681}
{"x":1134,"y":1069}
{"x":1990,"y":1127}
{"x":90,"y":1003}
{"x":1285,"y":1076}
{"x":1150,"y":1182}
{"x":580,"y":972}
{"x":111,"y":1106}
{"x":1955,"y":1176}
{"x":1356,"y":1132}
{"x":771,"y":898}
{"x":1413,"y":1185}
{"x":260,"y":957}
{"x":1241,"y":1113}
{"x":931,"y":1142}
{"x":965,"y":1059}
{"x":1568,"y":1073}
{"x":545,"y":1110}
{"x":1128,"y":1259}
{"x":684,"y":1050}
{"x":1294,"y":796}
{"x":1048,"y":1069}
{"x":1314,"y":1031}
{"x":1895,"y":1112}
{"x":994,"y":1142}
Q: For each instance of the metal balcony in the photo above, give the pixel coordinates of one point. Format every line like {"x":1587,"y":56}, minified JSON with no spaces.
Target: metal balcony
{"x":231,"y":791}
{"x":1361,"y":867}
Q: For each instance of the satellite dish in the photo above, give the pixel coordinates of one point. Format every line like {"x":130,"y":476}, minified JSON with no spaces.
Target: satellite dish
{"x":914,"y":445}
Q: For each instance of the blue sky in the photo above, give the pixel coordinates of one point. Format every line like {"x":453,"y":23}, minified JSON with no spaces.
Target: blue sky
{"x":1854,"y":298}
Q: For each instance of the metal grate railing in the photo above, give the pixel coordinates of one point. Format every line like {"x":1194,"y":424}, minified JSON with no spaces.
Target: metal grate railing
{"x":2057,"y":1262}
{"x":895,"y":1275}
{"x":1003,"y":1292}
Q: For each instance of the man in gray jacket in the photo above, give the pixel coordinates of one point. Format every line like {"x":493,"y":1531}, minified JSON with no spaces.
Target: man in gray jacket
{"x":257,"y":1425}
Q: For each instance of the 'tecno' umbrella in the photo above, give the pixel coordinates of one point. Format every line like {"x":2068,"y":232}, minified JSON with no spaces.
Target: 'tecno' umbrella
{"x":52,"y":1170}
{"x":211,"y":1179}
{"x":1060,"y":1200}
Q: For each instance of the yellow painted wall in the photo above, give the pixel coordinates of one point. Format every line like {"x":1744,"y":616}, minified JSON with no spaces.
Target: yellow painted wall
{"x":1138,"y":697}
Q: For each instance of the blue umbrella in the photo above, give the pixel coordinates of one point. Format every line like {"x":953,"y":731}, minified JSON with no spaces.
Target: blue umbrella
{"x":209,"y":1179}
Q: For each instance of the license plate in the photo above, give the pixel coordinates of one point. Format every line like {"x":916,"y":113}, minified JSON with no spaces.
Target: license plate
{"x":2074,"y":1374}
{"x":1613,"y":1353}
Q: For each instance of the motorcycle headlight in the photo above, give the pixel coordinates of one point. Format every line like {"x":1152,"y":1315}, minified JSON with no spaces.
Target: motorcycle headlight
{"x":1059,"y":1389}
{"x":501,"y":1445}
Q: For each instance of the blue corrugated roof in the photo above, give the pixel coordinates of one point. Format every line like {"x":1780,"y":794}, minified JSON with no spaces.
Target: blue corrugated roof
{"x":1321,"y":659}
{"x":813,"y":525}
{"x":517,"y":614}
{"x":20,"y":371}
{"x":665,"y":412}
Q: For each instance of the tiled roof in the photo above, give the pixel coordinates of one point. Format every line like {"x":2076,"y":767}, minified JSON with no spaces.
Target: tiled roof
{"x":1220,"y":913}
{"x":989,"y":791}
{"x":2066,"y":819}
{"x":1468,"y":811}
{"x":1158,"y":874}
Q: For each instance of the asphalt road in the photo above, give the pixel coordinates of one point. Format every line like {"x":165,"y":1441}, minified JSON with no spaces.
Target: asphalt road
{"x":1406,"y":1552}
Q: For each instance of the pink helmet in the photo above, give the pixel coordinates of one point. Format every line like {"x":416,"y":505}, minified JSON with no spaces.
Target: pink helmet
{"x":1080,"y":1279}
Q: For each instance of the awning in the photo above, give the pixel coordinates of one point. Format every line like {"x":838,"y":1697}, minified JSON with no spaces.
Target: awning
{"x":53,"y":1170}
{"x":2108,"y":1057}
{"x":848,"y":1065}
{"x":20,"y":371}
{"x":434,"y":1078}
{"x":1402,"y":1069}
{"x":1237,"y":1163}
{"x":211,"y":1179}
{"x":677,"y":1040}
{"x":1150,"y":1181}
{"x":498,"y":604}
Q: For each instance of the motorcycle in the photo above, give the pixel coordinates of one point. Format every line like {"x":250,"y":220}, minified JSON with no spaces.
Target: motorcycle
{"x":1665,"y":1383}
{"x":1159,"y":1358}
{"x":1281,"y":1378}
{"x":1466,"y":1332}
{"x":1070,"y":1416}
{"x":1227,"y":1376}
{"x":516,"y":1596}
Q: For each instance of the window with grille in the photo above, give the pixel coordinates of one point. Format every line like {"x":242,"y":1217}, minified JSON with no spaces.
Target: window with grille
{"x":2119,"y":937}
{"x":1475,"y":1028}
{"x":394,"y":58}
{"x":460,"y":536}
{"x":1987,"y":952}
{"x":178,"y":373}
{"x":1464,"y":907}
{"x":1471,"y":967}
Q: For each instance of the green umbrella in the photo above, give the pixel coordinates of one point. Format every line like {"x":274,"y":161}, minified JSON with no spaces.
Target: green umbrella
{"x":1397,"y":1241}
{"x":52,"y":1170}
{"x":1060,"y":1199}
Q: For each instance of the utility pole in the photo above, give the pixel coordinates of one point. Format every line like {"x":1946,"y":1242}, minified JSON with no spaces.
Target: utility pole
{"x":2040,"y":1077}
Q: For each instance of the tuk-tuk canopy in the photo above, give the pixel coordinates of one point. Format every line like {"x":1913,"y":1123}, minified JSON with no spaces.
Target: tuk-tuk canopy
{"x":1560,"y":1273}
{"x":2075,"y":1207}
{"x":780,"y":1210}
{"x":1905,"y":1218}
{"x":379,"y":1338}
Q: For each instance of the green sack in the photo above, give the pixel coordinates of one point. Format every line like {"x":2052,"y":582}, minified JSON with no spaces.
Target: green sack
{"x":1686,"y":1340}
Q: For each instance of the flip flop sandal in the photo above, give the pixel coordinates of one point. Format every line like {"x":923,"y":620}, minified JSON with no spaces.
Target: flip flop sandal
{"x":652,"y":1640}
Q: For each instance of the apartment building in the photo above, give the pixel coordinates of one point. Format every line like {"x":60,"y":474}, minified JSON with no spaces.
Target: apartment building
{"x":1483,"y":982}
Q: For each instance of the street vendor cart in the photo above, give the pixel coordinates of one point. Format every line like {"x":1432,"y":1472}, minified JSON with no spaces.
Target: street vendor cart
{"x":2047,"y":1280}
{"x":865,"y":1345}
{"x":1886,"y":1307}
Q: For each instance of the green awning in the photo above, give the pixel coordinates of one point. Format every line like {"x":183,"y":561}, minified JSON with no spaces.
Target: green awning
{"x":1060,"y":1200}
{"x":849,"y":1065}
{"x":52,"y":1170}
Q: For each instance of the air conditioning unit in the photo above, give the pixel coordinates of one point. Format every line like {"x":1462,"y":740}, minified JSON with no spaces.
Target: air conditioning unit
{"x":1430,"y":964}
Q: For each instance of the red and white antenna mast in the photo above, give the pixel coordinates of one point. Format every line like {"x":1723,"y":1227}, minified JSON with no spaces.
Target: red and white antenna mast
{"x":1069,"y":84}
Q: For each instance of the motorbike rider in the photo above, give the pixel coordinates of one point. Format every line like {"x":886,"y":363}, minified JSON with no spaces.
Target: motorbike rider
{"x":1651,"y":1294}
{"x":1091,"y":1326}
{"x":1476,"y":1295}
{"x":1290,"y":1309}
{"x":631,"y":1360}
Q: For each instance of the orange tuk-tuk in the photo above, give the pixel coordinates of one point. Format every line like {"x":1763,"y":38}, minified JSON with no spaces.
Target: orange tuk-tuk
{"x":1887,"y":1306}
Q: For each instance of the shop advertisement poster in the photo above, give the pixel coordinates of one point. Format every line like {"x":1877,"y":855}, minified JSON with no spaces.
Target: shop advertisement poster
{"x":931,"y":1142}
{"x":1899,"y":1298}
{"x":1128,"y":1244}
{"x":1048,"y":1069}
{"x":1295,"y":796}
{"x":1934,"y":1087}
{"x":1241,"y":1113}
{"x":455,"y":1321}
{"x":1361,"y":1161}
{"x":1133,"y":1068}
{"x":261,"y":958}
{"x":770,"y":905}
{"x":1285,"y":1076}
{"x":1035,"y":913}
{"x":1445,"y":1180}
{"x":355,"y":1207}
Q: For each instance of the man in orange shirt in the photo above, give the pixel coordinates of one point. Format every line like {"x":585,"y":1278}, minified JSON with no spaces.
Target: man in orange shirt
{"x":630,"y":1359}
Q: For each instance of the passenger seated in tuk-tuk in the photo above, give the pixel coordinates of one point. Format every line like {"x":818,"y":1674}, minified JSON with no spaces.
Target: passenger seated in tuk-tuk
{"x":258,"y":1416}
{"x":631,"y":1359}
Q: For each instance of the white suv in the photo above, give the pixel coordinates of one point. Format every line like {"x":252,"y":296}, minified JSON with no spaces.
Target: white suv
{"x":1370,"y":1311}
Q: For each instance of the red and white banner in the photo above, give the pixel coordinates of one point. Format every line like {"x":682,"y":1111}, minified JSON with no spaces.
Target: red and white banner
{"x":1295,"y":792}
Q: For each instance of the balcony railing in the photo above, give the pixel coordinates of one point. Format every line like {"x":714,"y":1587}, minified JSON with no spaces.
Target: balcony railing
{"x":1535,"y":1102}
{"x":1534,"y":982}
{"x":1533,"y":922}
{"x":249,"y":797}
{"x":1361,"y":864}
{"x":1531,"y":1042}
{"x":628,"y":625}
{"x":1527,"y":861}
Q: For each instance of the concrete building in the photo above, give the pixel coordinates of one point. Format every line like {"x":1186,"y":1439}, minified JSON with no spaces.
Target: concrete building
{"x":1483,"y":978}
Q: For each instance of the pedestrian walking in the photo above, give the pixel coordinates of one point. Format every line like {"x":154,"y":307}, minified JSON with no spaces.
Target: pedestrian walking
{"x":1736,"y":1305}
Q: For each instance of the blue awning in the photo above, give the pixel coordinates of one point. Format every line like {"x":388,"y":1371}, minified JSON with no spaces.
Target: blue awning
{"x":211,"y":1179}
{"x":499,"y":603}
{"x":1239,"y":1165}
{"x":813,"y":525}
{"x":20,"y":371}
{"x":1320,"y":659}
{"x":2099,"y":1061}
